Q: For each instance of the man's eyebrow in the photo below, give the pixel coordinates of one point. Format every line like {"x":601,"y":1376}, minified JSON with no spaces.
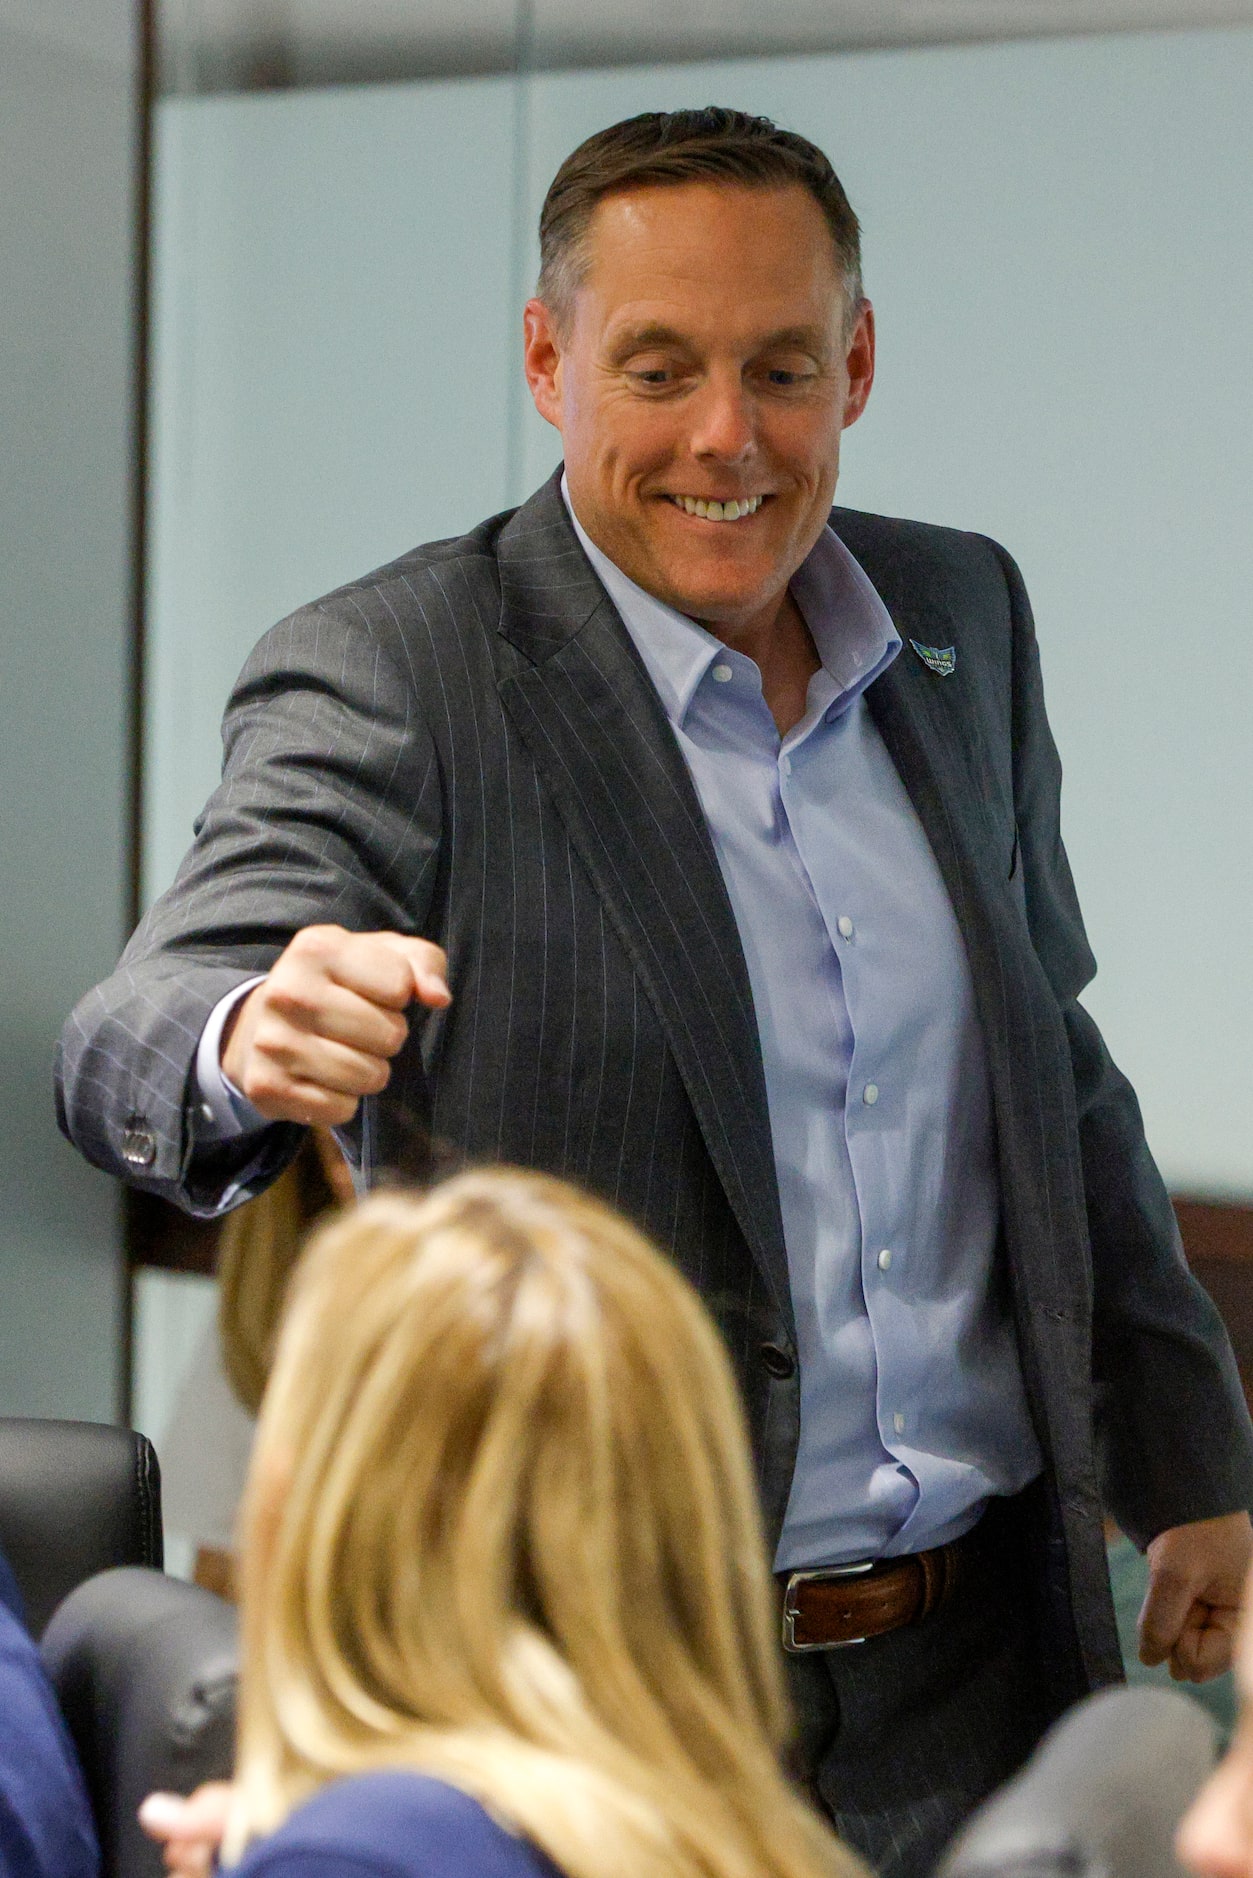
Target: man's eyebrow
{"x":812,"y":339}
{"x":815,"y":339}
{"x":639,"y":338}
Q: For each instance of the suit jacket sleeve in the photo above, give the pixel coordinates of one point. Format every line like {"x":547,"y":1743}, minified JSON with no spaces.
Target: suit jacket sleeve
{"x":1173,"y":1433}
{"x":328,"y":812}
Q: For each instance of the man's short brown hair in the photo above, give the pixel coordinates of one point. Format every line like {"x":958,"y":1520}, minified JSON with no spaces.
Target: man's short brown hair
{"x":668,"y":147}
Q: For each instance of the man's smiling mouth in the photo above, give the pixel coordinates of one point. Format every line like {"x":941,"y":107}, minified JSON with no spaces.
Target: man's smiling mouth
{"x":730,"y":511}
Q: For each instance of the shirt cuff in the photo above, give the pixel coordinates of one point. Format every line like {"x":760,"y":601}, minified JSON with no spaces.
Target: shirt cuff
{"x":223,"y":1113}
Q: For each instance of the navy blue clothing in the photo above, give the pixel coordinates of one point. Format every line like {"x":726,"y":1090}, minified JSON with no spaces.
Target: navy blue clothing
{"x":392,"y":1825}
{"x":46,"y":1828}
{"x":11,"y":1591}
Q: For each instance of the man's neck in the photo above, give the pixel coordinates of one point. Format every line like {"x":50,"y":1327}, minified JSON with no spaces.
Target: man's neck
{"x":783,"y":651}
{"x":792,"y":662}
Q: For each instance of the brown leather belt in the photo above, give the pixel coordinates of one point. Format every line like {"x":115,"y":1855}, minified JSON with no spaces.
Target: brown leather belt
{"x":843,"y":1604}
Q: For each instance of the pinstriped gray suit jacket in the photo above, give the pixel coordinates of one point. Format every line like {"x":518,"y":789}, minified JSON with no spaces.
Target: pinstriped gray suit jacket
{"x":465,"y":745}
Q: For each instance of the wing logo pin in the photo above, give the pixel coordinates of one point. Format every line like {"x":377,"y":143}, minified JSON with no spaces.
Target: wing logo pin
{"x":942,"y":660}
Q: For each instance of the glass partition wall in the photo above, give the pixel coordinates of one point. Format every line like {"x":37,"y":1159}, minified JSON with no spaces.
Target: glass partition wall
{"x":1059,"y":244}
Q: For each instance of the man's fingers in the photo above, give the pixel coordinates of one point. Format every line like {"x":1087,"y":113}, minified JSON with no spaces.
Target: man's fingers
{"x":190,"y":1830}
{"x":1163,"y":1616}
{"x":311,"y":1105}
{"x":201,"y":1816}
{"x":1205,"y":1647}
{"x":204,"y":1810}
{"x":1202,"y":1645}
{"x":427,"y":964}
{"x":164,"y":1815}
{"x":388,"y":968}
{"x":294,"y":1064}
{"x":320,"y":1007}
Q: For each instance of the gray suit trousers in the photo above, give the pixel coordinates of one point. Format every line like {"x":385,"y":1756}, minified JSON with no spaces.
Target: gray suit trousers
{"x":900,"y":1738}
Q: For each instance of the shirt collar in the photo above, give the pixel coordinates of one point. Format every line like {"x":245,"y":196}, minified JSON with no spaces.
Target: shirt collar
{"x":852,"y":630}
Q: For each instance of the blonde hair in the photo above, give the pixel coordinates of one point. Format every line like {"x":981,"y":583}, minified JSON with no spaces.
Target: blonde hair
{"x":501,"y":1528}
{"x":257,"y":1254}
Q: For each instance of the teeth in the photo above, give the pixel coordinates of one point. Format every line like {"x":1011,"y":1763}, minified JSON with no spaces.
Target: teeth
{"x":730,"y":511}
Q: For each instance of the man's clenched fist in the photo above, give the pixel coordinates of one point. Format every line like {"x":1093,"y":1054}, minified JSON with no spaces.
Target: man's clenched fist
{"x":320,"y":1031}
{"x":1196,"y":1576}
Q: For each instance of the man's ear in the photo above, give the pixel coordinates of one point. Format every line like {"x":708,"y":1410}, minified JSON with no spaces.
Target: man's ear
{"x":542,"y":360}
{"x":860,"y":365}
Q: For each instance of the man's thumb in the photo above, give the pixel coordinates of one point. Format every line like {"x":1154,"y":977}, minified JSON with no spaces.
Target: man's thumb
{"x":430,"y":973}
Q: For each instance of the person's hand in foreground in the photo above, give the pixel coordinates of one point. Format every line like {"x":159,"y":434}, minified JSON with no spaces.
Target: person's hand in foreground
{"x":1190,"y":1612}
{"x":1215,"y":1837}
{"x":320,"y":1030}
{"x":190,"y":1830}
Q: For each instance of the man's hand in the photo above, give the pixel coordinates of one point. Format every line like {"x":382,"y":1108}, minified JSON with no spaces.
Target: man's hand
{"x":190,"y":1830}
{"x":320,"y":1031}
{"x":1196,"y":1575}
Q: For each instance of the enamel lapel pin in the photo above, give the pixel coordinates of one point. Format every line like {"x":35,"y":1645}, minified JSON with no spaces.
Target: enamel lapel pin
{"x":942,"y":660}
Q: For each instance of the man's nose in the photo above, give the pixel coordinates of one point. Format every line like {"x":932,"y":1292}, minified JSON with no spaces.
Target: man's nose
{"x":724,"y":426}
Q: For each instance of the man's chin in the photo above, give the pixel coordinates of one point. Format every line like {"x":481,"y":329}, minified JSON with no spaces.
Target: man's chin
{"x":710,"y":581}
{"x":715,"y":603}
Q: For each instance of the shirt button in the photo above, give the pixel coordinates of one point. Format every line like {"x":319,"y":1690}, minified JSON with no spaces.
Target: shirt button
{"x":870,"y":1094}
{"x":723,"y":674}
{"x":884,"y":1260}
{"x":898,"y":1423}
{"x":844,"y":926}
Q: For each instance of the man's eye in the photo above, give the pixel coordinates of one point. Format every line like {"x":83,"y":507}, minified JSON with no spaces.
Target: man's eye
{"x":785,"y":378}
{"x":656,"y":377}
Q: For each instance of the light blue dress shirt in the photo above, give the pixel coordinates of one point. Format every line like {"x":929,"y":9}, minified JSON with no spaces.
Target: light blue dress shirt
{"x":913,"y":1410}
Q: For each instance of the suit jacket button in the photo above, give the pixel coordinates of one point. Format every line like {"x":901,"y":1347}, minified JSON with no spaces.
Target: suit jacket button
{"x":139,"y":1147}
{"x":777,"y":1361}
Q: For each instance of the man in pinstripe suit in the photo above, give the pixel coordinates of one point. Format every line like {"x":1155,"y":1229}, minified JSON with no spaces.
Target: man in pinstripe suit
{"x":713,"y":834}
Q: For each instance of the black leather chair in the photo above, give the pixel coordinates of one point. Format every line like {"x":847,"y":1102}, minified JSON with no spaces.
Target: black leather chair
{"x":75,"y":1499}
{"x":144,"y":1668}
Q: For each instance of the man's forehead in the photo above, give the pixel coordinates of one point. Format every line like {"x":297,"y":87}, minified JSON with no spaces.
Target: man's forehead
{"x":649,"y":211}
{"x":660,"y":256}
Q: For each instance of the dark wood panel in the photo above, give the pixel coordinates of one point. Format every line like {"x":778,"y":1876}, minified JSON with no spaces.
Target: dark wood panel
{"x":1218,"y":1239}
{"x":1216,"y":1235}
{"x":158,"y":1234}
{"x":1215,"y":1230}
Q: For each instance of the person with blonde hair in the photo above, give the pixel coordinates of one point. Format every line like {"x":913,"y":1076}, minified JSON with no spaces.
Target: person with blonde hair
{"x":505,"y":1599}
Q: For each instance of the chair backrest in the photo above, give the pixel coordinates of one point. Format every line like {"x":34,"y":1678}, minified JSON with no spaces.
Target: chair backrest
{"x":1101,"y":1796}
{"x":75,"y":1498}
{"x":144,"y":1667}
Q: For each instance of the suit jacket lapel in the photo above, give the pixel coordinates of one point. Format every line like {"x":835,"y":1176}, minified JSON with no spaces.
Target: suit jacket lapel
{"x":1024,"y":1037}
{"x":584,"y":705}
{"x":933,"y":766}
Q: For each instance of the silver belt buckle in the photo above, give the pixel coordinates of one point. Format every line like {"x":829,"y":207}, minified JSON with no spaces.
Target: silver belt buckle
{"x":823,"y":1575}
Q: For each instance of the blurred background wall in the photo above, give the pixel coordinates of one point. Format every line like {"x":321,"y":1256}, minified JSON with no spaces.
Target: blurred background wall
{"x":69,"y":137}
